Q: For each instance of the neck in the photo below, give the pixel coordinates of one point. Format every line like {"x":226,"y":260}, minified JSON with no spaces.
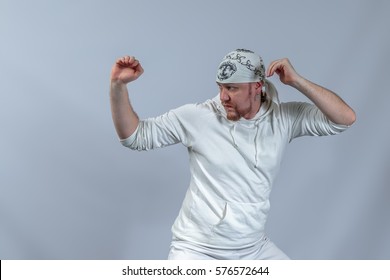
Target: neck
{"x":254,"y":109}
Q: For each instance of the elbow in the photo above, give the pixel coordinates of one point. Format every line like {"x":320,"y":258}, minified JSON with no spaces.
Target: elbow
{"x":351,"y":118}
{"x":347,"y":118}
{"x":127,"y":141}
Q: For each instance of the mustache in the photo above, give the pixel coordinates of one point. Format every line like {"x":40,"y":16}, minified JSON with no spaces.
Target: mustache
{"x":227,"y":104}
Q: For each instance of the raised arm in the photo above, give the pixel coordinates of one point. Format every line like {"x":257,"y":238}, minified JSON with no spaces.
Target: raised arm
{"x":124,"y":71}
{"x":330,"y":104}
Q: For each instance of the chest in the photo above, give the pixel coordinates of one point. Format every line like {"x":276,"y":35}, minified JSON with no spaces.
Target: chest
{"x":230,"y":147}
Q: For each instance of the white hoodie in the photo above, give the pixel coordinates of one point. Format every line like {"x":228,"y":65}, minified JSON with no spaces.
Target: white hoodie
{"x":233,"y":164}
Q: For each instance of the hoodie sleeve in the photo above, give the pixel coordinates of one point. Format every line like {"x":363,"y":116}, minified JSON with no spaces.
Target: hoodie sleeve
{"x":306,"y":119}
{"x":158,"y":132}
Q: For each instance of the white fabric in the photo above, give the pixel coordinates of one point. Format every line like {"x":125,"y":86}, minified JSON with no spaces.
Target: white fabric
{"x":233,"y":165}
{"x":264,"y":249}
{"x":241,"y":66}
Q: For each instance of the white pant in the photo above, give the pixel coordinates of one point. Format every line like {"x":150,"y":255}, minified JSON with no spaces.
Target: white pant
{"x":265,"y":249}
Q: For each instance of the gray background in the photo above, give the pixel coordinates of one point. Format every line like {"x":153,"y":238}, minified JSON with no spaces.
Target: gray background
{"x":69,"y":190}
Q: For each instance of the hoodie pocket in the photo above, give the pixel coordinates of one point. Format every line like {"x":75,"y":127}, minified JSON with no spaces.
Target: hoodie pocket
{"x":242,"y":220}
{"x":216,"y":223}
{"x":203,"y":213}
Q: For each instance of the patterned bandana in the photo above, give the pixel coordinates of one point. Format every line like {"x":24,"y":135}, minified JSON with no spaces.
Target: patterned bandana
{"x":241,"y":66}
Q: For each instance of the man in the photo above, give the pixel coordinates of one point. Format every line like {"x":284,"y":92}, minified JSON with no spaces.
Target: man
{"x":235,"y":142}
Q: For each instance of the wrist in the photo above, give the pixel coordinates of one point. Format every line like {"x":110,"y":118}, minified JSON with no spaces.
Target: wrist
{"x":117,"y":83}
{"x":298,"y":83}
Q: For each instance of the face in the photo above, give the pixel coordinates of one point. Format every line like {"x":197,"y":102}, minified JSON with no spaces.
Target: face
{"x":240,"y":99}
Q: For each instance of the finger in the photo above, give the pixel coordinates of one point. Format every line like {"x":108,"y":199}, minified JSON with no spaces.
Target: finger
{"x":133,"y":63}
{"x":274,"y":65}
{"x":121,"y":60}
{"x":139,"y":69}
{"x":127,"y":61}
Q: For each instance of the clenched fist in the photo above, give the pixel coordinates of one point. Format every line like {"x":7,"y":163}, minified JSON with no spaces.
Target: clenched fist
{"x":126,"y":69}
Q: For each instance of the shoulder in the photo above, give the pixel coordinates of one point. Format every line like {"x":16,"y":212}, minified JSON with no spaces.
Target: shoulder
{"x":294,"y":108}
{"x":196,"y":109}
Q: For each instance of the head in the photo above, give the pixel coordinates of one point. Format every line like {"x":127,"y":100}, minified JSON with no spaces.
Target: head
{"x":241,"y":79}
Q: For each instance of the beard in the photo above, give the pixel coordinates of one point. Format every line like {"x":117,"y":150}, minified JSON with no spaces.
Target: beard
{"x":232,"y":115}
{"x":234,"y":112}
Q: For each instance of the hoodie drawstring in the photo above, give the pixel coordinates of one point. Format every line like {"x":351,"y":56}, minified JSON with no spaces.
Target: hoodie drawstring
{"x":255,"y":141}
{"x":232,"y":130}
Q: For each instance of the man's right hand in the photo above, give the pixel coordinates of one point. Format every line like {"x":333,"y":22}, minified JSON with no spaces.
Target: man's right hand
{"x":126,"y":69}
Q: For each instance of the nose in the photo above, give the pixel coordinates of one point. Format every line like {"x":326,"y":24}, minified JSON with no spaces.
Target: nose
{"x":223,"y":95}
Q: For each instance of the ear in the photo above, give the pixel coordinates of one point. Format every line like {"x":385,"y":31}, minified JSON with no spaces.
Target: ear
{"x":258,"y":87}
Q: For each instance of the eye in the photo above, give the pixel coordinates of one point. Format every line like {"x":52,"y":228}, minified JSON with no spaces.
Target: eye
{"x":230,"y":88}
